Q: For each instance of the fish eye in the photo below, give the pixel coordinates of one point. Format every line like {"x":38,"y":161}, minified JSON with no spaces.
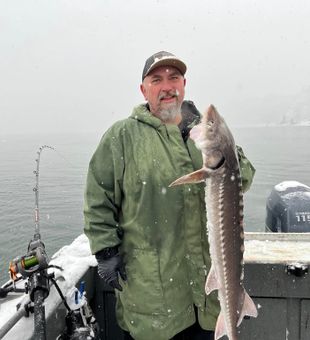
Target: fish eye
{"x":210,"y":123}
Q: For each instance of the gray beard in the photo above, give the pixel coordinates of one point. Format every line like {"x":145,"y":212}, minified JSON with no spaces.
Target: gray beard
{"x":169,"y":113}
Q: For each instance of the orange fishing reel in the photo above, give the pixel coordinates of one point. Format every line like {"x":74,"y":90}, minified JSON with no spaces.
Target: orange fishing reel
{"x":26,"y":265}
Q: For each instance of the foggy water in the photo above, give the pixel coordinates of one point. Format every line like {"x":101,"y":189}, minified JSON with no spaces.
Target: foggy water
{"x":278,"y":153}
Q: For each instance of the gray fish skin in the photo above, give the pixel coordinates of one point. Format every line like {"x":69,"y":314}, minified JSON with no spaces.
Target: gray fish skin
{"x":224,"y":203}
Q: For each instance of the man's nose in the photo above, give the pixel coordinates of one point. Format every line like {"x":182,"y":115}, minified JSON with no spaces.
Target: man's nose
{"x":167,"y":85}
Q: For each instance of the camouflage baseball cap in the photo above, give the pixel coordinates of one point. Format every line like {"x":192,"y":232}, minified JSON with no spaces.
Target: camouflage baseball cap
{"x":163,"y":58}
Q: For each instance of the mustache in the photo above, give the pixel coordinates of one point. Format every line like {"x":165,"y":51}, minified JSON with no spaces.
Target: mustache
{"x":168,"y":94}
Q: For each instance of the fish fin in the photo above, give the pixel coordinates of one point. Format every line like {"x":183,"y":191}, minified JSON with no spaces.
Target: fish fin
{"x":220,"y":328}
{"x":194,"y":177}
{"x":211,"y":282}
{"x":248,"y":308}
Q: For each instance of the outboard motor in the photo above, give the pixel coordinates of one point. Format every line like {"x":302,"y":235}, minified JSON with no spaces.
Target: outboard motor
{"x":288,"y":208}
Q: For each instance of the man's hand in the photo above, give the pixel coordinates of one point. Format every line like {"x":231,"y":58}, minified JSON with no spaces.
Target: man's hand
{"x":110,"y":264}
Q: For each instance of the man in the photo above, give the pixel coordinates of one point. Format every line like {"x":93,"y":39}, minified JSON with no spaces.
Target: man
{"x":150,"y":240}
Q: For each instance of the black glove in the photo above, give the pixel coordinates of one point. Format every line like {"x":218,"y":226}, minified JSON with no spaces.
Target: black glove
{"x":110,"y":263}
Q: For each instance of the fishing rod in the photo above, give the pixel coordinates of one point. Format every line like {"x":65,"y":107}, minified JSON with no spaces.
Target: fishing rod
{"x":36,"y":258}
{"x":36,"y":190}
{"x":33,"y":266}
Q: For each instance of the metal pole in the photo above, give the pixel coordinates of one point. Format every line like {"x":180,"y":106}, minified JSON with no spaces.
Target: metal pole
{"x":14,"y":319}
{"x":39,"y":315}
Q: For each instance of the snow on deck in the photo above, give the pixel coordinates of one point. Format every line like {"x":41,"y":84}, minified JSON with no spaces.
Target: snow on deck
{"x":277,"y":248}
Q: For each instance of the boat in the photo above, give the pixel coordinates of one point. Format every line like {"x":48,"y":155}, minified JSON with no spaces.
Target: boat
{"x":276,"y":265}
{"x":276,"y":277}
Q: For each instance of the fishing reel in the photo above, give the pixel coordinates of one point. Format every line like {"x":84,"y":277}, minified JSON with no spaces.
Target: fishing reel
{"x":32,"y":266}
{"x":35,"y":260}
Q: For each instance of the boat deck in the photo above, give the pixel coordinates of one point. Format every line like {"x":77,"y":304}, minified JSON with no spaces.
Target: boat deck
{"x":276,"y":276}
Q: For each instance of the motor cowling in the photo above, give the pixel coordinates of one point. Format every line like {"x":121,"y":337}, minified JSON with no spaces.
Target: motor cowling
{"x":288,"y":208}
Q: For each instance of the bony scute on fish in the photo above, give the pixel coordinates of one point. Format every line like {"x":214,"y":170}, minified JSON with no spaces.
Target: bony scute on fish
{"x":224,"y":206}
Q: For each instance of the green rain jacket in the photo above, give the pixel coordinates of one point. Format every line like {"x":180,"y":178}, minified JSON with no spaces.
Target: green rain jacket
{"x":164,"y":242}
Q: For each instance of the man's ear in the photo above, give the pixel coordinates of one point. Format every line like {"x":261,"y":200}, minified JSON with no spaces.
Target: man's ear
{"x":184,"y":81}
{"x":143,"y":91}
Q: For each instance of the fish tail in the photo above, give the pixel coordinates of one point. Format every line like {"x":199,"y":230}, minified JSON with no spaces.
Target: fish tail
{"x":221,"y":329}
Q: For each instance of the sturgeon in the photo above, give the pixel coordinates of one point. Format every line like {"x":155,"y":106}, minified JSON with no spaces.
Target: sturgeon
{"x":224,"y":204}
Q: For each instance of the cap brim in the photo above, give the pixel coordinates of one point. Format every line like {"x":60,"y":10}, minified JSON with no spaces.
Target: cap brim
{"x":177,"y":63}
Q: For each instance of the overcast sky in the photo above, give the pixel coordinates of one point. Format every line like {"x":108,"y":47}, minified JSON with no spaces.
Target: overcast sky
{"x":75,"y":65}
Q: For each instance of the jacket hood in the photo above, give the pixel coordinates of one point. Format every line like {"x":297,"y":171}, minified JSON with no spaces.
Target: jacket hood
{"x":142,"y":114}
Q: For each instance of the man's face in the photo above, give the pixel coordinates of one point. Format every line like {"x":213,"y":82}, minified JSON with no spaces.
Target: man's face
{"x":163,"y":88}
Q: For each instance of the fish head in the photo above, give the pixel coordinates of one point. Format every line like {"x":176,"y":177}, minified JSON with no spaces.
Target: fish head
{"x":213,"y":137}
